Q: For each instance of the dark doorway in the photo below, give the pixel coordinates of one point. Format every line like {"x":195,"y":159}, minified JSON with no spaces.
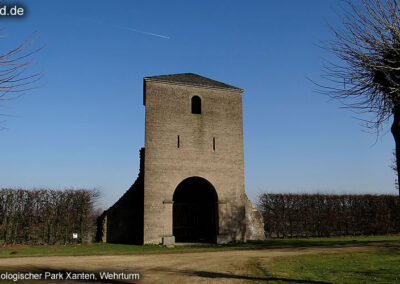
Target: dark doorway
{"x":195,"y":215}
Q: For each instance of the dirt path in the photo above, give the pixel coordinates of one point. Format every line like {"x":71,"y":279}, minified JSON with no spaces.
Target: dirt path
{"x":200,"y":267}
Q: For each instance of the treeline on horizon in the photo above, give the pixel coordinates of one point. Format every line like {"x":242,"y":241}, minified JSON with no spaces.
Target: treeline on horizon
{"x":326,"y":215}
{"x":45,"y":216}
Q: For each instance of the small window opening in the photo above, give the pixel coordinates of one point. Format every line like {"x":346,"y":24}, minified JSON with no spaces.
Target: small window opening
{"x":196,"y":105}
{"x":179,"y":142}
{"x":213,"y":143}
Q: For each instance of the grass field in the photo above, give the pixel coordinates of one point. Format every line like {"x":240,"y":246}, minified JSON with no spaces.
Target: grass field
{"x":315,"y":260}
{"x":381,"y":266}
{"x":115,"y":249}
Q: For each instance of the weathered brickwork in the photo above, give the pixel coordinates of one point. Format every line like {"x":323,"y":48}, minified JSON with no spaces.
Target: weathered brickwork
{"x":210,"y":146}
{"x":168,"y":114}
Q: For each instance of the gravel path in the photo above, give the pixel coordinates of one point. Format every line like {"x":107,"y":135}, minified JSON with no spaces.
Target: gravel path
{"x":236,"y":266}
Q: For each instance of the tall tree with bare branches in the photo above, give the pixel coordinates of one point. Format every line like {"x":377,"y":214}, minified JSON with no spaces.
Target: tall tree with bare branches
{"x":368,"y":78}
{"x":14,"y":76}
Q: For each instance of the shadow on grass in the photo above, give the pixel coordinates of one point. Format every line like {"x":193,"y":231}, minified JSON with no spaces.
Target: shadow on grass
{"x":219,"y":275}
{"x":203,"y":274}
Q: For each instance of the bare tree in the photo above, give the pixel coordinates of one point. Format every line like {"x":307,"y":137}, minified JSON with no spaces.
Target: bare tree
{"x":368,"y":78}
{"x":14,"y":78}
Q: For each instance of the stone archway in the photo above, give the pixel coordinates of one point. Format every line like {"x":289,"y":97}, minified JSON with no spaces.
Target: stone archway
{"x":195,"y":214}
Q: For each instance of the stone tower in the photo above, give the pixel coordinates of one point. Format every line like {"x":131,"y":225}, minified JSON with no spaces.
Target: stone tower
{"x":191,"y":184}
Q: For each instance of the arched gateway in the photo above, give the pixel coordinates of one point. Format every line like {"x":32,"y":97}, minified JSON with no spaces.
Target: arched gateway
{"x":195,"y":216}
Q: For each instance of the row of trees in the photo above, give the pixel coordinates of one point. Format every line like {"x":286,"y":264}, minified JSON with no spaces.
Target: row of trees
{"x":322,"y":215}
{"x":46,"y":216}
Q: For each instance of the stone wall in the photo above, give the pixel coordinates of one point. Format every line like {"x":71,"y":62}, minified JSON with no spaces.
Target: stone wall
{"x":254,"y":223}
{"x":168,"y":115}
{"x":181,"y":145}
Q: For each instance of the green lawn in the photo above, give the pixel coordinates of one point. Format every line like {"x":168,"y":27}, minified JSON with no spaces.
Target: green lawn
{"x":114,"y":249}
{"x":380,"y":265}
{"x":377,"y":258}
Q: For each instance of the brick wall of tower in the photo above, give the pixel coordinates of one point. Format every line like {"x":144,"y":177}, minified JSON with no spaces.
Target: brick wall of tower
{"x":168,"y":114}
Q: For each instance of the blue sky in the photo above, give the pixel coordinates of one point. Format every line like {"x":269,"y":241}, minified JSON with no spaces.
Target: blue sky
{"x":85,"y":125}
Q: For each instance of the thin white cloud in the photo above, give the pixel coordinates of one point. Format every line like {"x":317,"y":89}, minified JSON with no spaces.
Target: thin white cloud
{"x":139,"y":31}
{"x":122,"y":27}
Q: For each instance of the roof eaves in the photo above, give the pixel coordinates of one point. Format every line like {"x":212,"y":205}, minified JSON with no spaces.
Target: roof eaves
{"x":193,"y":84}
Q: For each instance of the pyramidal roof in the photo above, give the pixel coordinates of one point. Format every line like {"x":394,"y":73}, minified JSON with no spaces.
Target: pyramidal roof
{"x":191,"y":79}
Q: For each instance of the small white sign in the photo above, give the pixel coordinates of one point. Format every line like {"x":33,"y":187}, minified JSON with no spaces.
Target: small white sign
{"x":74,"y":235}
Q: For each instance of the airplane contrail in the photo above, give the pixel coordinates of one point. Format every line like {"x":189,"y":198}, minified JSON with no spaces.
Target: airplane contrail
{"x":123,"y":28}
{"x":138,"y":31}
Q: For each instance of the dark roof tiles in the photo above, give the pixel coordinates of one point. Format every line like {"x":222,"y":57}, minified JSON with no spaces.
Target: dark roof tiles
{"x":191,"y":79}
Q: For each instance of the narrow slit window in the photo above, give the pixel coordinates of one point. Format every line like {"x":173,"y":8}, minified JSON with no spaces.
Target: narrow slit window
{"x":213,"y":143}
{"x":196,"y":105}
{"x":178,"y":142}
